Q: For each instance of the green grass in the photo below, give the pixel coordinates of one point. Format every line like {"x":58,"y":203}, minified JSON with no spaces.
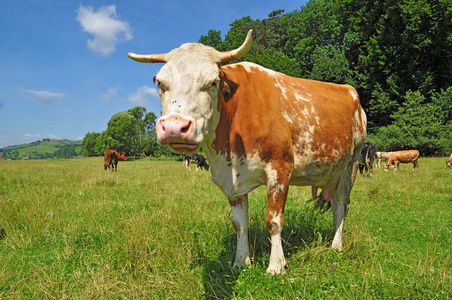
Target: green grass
{"x":154,"y":231}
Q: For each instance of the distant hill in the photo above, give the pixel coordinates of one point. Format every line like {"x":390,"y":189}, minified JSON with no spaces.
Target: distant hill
{"x":45,"y":148}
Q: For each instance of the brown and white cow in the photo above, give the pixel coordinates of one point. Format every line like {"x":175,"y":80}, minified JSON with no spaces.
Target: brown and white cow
{"x":382,"y":156}
{"x":404,"y":156}
{"x":111,"y":158}
{"x":449,"y":162}
{"x":260,"y":127}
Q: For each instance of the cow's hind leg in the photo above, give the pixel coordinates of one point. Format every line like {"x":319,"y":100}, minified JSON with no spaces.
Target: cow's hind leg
{"x":415,"y":164}
{"x":340,"y":200}
{"x":240,"y":222}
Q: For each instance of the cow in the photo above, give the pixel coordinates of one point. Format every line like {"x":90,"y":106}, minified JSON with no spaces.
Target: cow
{"x":367,"y":158}
{"x":111,"y":158}
{"x":199,"y":159}
{"x":260,"y":127}
{"x":449,"y":162}
{"x":382,"y":156}
{"x":202,"y":163}
{"x":404,"y":156}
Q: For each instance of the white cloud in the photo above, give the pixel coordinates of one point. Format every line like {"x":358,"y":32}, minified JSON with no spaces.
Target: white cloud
{"x":45,"y":136}
{"x":48,"y":97}
{"x":45,"y":94}
{"x":13,"y":137}
{"x":111,"y":94}
{"x":104,"y":25}
{"x":140,"y":97}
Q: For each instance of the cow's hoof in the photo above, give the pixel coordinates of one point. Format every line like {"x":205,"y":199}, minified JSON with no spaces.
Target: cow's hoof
{"x":241,"y":263}
{"x":276,"y":269}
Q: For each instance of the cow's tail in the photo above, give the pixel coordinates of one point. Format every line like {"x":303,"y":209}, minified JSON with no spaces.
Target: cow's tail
{"x":366,"y":161}
{"x":321,"y":204}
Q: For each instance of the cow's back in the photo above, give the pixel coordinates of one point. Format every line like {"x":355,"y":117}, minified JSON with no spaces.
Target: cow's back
{"x":109,"y":154}
{"x":405,"y":155}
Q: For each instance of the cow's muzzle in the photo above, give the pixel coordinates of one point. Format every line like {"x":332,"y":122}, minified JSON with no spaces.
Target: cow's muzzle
{"x":177,"y":132}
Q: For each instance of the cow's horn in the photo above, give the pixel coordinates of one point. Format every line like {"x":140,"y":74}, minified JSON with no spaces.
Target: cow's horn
{"x":150,"y":58}
{"x":240,"y":51}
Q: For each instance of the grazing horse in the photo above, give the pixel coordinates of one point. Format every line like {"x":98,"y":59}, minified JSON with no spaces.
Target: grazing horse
{"x":404,"y":156}
{"x":260,"y":127}
{"x":111,"y":158}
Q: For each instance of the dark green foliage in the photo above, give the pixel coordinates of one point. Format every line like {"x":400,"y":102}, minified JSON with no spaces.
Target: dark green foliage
{"x":89,"y":143}
{"x":397,"y":54}
{"x":67,"y":151}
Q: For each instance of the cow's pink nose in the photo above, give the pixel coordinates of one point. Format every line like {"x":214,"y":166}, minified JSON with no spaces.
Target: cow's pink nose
{"x":174,"y":129}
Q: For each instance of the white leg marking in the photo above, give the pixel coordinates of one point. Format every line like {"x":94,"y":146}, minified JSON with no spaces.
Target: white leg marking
{"x":339,"y":212}
{"x":337,"y":240}
{"x":240,"y":221}
{"x":277,"y":261}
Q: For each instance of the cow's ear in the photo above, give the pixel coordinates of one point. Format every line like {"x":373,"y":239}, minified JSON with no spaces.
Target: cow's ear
{"x":226,"y":92}
{"x":153,"y":78}
{"x":227,"y":87}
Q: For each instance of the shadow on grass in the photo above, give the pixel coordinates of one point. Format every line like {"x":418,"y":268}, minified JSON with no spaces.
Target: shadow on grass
{"x":303,"y":227}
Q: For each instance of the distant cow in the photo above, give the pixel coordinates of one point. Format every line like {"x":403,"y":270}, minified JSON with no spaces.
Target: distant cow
{"x":111,"y":158}
{"x":382,"y":156}
{"x":449,"y":162}
{"x":199,"y":159}
{"x":367,"y":158}
{"x":260,"y":127}
{"x":405,"y":156}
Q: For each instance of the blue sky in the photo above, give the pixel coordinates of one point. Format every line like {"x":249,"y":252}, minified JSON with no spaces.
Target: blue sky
{"x":64,"y":69}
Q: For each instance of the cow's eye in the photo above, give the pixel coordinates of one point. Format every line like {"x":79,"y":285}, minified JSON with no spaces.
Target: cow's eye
{"x":208,"y":87}
{"x":161,"y":86}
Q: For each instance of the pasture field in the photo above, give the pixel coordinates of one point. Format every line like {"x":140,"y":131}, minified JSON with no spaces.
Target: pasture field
{"x":69,"y":230}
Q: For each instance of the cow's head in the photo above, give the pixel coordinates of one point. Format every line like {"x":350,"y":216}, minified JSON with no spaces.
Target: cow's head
{"x":188,"y":87}
{"x":388,"y":165}
{"x":449,"y":163}
{"x":122,"y":156}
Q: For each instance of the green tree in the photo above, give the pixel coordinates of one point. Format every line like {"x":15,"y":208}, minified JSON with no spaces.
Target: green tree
{"x":101,"y":144}
{"x":415,"y":126}
{"x":66,"y":151}
{"x":144,"y":123}
{"x":122,"y":132}
{"x":212,"y":39}
{"x":330,"y":64}
{"x":398,"y":46}
{"x":89,"y":144}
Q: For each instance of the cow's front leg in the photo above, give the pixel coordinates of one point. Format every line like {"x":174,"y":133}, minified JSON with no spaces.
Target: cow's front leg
{"x":277,"y":189}
{"x":240,"y":222}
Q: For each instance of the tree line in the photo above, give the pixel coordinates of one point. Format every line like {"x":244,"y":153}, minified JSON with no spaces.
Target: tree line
{"x":131,"y":131}
{"x":397,"y":54}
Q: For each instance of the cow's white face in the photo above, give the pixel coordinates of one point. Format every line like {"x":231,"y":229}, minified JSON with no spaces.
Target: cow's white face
{"x":188,"y":87}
